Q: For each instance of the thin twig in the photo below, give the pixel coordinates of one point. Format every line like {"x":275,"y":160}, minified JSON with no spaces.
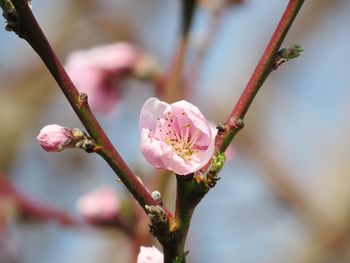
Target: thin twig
{"x":264,"y":67}
{"x":189,"y":193}
{"x":32,"y":209}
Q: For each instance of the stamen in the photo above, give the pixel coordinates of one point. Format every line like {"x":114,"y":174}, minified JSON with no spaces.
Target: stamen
{"x":181,"y":141}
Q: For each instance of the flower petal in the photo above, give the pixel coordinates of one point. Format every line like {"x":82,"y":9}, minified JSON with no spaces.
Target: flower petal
{"x":152,"y":149}
{"x":151,"y":110}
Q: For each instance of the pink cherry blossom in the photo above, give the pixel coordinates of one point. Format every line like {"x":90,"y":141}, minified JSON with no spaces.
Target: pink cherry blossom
{"x":99,"y":205}
{"x":99,"y":71}
{"x":54,"y":138}
{"x":175,"y":136}
{"x":150,"y":255}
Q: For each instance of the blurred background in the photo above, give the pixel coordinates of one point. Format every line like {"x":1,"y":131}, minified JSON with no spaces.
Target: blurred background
{"x":284,"y":195}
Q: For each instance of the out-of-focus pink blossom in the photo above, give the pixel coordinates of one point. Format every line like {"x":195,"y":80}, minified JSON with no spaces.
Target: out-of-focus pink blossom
{"x":99,"y":71}
{"x":99,"y":205}
{"x":54,"y":138}
{"x":175,"y":136}
{"x":150,"y":255}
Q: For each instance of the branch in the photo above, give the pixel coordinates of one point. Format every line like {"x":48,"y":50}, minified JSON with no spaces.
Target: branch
{"x":192,"y":189}
{"x":235,"y":121}
{"x":188,"y":195}
{"x":29,"y":29}
{"x":28,"y":208}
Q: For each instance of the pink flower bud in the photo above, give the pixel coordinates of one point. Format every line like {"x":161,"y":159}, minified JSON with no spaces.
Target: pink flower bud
{"x":54,"y":138}
{"x":99,"y":205}
{"x":149,"y":255}
{"x":175,"y":136}
{"x":98,"y":72}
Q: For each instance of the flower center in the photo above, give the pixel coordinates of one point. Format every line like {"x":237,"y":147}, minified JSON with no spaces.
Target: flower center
{"x":180,"y":137}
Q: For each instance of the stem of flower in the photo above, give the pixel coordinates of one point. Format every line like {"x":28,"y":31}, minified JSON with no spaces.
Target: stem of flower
{"x":188,"y":197}
{"x":30,"y":30}
{"x":260,"y":74}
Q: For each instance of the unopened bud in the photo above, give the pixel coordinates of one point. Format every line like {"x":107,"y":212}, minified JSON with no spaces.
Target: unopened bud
{"x":157,"y":196}
{"x":55,"y":138}
{"x":156,"y":213}
{"x":292,"y":52}
{"x":286,"y":54}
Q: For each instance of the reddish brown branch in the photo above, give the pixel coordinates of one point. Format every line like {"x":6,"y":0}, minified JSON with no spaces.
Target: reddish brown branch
{"x":30,"y":30}
{"x":261,"y":72}
{"x":31,"y":209}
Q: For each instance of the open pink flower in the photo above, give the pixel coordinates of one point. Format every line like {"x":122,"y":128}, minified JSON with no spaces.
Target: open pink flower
{"x":175,"y":136}
{"x":99,"y":205}
{"x":99,"y":71}
{"x":149,"y":255}
{"x":54,"y":138}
